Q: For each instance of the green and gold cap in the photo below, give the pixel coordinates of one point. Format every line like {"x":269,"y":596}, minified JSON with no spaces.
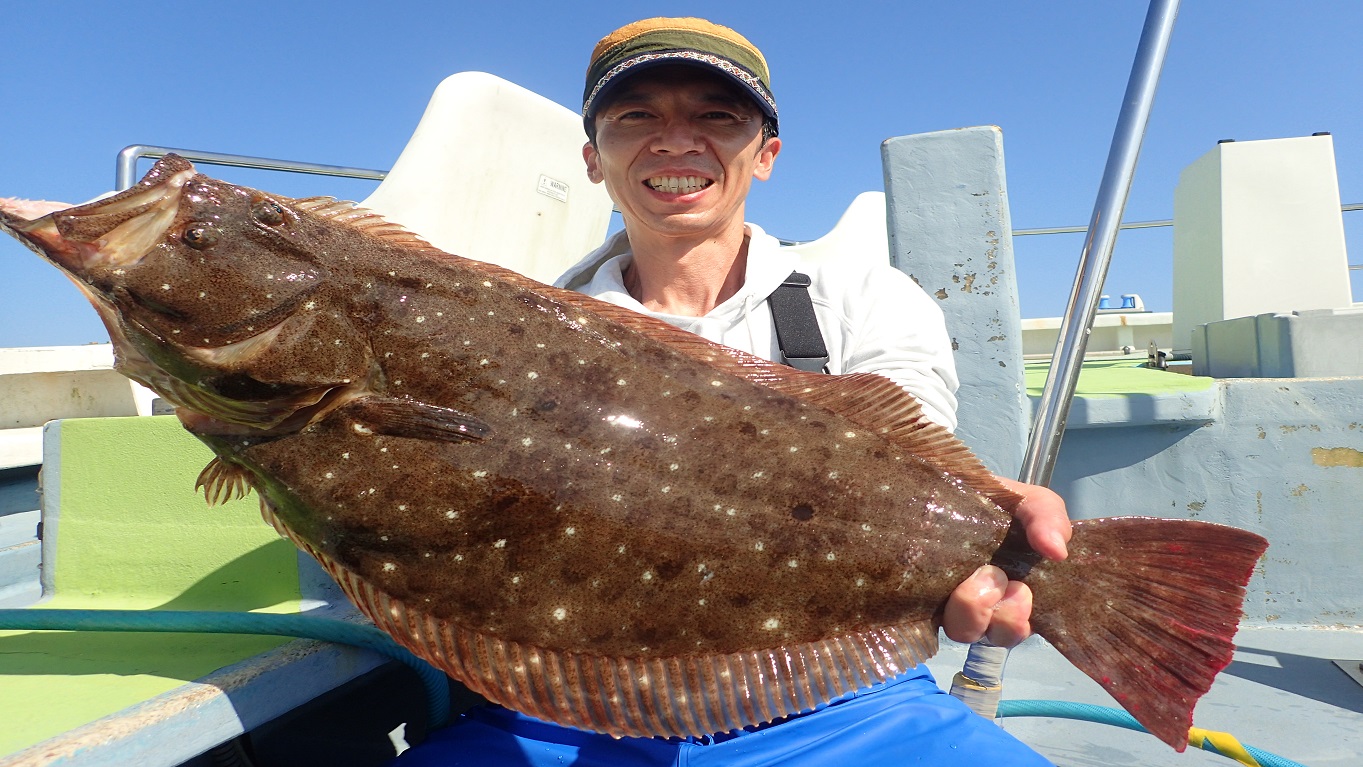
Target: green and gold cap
{"x":653,"y":42}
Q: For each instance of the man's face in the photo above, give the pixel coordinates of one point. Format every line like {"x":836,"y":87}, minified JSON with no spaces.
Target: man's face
{"x":678,"y":148}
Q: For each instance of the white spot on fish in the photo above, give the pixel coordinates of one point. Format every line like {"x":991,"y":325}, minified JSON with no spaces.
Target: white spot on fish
{"x":345,"y":456}
{"x":771,"y":624}
{"x":308,"y":305}
{"x":361,"y":428}
{"x":831,"y":556}
{"x":793,"y":563}
{"x":832,"y":475}
{"x":617,"y":498}
{"x":701,"y":603}
{"x":527,"y":442}
{"x":621,"y":382}
{"x":861,"y":582}
{"x":581,"y":362}
{"x":487,"y":284}
{"x":865,"y":527}
{"x":383,"y":537}
{"x":500,"y":544}
{"x":674,"y":467}
{"x":667,"y":489}
{"x":620,"y":550}
{"x":165,"y":286}
{"x":759,"y":546}
{"x":329,"y":475}
{"x":389,"y":567}
{"x":716,"y":383}
{"x":424,"y":355}
{"x":420,"y":319}
{"x":402,"y":507}
{"x":794,"y":449}
{"x":532,"y":375}
{"x":120,"y":272}
{"x":451,"y":514}
{"x":884,"y":488}
{"x":648,"y":575}
{"x":539,"y":346}
{"x":731,"y":512}
{"x":758,"y":474}
{"x":459,"y":557}
{"x":482,"y":362}
{"x":570,"y":531}
{"x":515,"y":579}
{"x":560,"y":613}
{"x":850,"y":435}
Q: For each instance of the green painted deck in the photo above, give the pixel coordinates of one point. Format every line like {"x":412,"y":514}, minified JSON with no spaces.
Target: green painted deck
{"x":135,"y":535}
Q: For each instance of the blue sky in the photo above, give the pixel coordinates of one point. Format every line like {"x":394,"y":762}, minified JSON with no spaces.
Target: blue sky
{"x":344,"y":83}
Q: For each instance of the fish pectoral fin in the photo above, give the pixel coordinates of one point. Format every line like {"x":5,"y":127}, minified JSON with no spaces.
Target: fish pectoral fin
{"x":417,"y":420}
{"x":223,"y":482}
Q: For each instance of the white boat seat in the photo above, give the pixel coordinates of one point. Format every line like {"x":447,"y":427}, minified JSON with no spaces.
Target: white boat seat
{"x":495,"y":172}
{"x":860,"y":236}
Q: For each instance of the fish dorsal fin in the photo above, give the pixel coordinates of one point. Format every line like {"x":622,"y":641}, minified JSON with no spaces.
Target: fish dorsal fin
{"x":871,"y":401}
{"x":365,"y":220}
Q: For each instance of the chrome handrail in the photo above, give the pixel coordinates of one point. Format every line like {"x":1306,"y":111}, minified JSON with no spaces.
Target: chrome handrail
{"x":126,"y":164}
{"x":1043,"y":444}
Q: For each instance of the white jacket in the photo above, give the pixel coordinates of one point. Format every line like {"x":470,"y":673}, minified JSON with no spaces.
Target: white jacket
{"x":873,"y":319}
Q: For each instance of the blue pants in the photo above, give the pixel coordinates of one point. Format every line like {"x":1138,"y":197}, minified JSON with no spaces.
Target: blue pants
{"x":906,"y":721}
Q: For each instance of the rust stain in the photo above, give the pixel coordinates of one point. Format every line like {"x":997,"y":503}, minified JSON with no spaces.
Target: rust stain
{"x":1197,"y":506}
{"x":1337,"y":456}
{"x":1262,"y":434}
{"x":941,"y":294}
{"x":969,"y":282}
{"x":1300,"y":490}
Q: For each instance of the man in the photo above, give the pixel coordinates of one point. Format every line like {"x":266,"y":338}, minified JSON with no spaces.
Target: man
{"x":681,"y":119}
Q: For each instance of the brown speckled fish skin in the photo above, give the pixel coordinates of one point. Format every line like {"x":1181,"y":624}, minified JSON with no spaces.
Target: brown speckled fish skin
{"x":561,"y":478}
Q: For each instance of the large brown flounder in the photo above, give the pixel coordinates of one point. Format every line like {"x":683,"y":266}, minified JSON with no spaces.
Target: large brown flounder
{"x":585,"y":514}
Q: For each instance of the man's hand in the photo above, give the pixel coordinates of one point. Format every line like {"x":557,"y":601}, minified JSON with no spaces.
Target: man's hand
{"x":989,"y":605}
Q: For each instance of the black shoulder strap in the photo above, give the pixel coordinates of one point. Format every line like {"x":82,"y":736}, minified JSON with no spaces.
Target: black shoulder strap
{"x":797,"y":329}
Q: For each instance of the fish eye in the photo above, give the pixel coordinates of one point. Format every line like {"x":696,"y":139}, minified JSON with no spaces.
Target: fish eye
{"x":268,"y":212}
{"x":200,"y":236}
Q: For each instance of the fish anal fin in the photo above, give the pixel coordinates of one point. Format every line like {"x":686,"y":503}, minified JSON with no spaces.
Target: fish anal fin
{"x":399,"y":417}
{"x":1148,"y":609}
{"x":222,"y":482}
{"x":691,"y":695}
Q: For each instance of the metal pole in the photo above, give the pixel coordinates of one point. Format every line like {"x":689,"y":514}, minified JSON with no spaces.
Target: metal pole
{"x":980,"y":683}
{"x":1049,"y":423}
{"x":126,"y":165}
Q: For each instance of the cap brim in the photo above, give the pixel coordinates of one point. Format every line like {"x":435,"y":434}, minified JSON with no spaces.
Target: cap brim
{"x":631,"y":67}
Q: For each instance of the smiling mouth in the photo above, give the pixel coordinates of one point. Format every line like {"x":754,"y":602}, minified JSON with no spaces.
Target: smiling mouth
{"x":678,"y":184}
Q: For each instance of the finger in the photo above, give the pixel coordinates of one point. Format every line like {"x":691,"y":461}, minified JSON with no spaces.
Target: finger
{"x":1011,"y":622}
{"x":971,"y":606}
{"x":1043,"y":516}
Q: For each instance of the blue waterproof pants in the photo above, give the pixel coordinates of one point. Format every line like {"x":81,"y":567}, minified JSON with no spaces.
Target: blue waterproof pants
{"x":906,"y":721}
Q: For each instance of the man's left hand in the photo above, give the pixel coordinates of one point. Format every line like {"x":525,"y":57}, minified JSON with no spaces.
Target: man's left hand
{"x":987,"y":604}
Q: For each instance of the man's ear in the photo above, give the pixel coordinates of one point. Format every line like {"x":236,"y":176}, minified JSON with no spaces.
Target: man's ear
{"x":766,"y":158}
{"x":593,"y":160}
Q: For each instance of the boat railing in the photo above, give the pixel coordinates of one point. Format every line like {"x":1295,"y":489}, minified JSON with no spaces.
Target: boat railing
{"x":125,"y":174}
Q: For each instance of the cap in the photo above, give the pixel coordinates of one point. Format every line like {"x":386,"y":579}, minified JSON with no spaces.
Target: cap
{"x":657,"y":41}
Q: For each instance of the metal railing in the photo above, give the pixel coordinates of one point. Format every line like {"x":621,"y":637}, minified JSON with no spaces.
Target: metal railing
{"x":1152,"y":225}
{"x":126,"y":165}
{"x":126,"y":171}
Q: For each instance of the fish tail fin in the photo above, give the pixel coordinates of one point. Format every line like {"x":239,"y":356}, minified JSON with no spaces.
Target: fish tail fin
{"x":1147,"y":608}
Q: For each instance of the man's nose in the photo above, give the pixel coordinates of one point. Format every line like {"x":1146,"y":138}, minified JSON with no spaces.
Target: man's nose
{"x":678,"y":136}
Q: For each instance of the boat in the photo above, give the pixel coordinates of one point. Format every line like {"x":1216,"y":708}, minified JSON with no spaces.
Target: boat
{"x":1249,"y":416}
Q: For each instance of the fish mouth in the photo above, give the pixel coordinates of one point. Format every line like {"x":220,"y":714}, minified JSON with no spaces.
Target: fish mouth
{"x":115,"y":232}
{"x":678,"y":184}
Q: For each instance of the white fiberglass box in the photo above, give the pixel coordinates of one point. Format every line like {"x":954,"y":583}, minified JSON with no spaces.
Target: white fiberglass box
{"x":1257,"y":229}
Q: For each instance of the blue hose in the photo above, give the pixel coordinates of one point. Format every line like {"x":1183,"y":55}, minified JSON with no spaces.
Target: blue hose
{"x":212,"y":622}
{"x":1086,"y":712}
